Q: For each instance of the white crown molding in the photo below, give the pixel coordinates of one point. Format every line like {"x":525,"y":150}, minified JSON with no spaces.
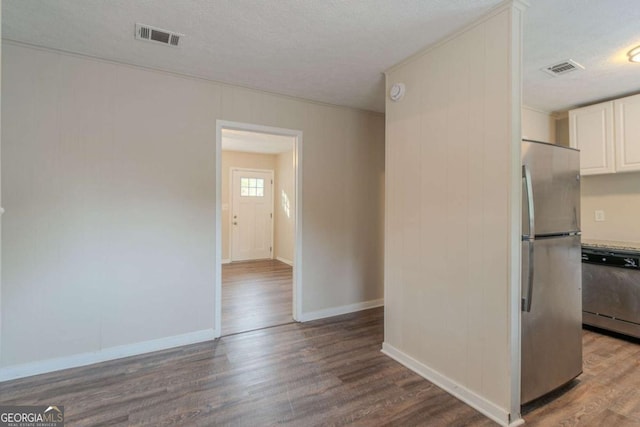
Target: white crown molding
{"x":537,"y":110}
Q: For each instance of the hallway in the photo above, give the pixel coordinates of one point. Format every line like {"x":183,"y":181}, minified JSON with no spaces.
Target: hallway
{"x":255,"y":295}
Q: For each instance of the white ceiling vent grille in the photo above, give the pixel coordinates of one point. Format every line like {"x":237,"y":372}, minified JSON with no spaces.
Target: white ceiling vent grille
{"x":157,"y":35}
{"x":563,"y":67}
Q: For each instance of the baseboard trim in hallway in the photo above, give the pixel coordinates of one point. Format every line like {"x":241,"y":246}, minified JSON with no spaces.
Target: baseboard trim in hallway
{"x":258,"y":329}
{"x":285,"y":260}
{"x":339,"y":311}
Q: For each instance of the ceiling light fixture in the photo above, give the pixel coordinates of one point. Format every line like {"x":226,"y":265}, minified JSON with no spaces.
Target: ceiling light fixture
{"x":634,"y":54}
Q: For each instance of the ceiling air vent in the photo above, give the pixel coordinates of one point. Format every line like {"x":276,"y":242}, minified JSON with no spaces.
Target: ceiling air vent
{"x":157,"y":35}
{"x":563,"y":67}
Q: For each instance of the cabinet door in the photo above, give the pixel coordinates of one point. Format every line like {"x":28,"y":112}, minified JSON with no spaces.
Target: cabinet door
{"x":627,"y":124}
{"x":591,"y":132}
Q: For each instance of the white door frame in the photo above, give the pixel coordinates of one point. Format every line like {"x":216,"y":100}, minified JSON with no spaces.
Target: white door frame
{"x":297,"y":253}
{"x":273,"y":201}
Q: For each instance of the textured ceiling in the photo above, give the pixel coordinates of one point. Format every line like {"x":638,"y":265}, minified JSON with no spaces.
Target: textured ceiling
{"x":595,"y":33}
{"x":335,"y":51}
{"x":255,"y":142}
{"x":332,"y":51}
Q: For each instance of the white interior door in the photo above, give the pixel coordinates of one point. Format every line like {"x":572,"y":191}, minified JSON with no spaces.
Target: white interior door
{"x":251,"y":215}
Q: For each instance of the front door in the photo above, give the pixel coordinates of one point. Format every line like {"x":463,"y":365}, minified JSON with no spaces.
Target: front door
{"x":251,"y":215}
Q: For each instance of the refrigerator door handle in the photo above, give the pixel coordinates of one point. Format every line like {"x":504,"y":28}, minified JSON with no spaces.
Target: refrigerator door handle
{"x":526,"y":301}
{"x":526,"y":176}
{"x":530,"y":238}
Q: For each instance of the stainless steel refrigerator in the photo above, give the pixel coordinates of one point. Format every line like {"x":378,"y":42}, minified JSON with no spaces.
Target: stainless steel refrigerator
{"x":551,"y":268}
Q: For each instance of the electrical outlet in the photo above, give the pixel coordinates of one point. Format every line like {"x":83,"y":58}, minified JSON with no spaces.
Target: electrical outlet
{"x":599,"y":216}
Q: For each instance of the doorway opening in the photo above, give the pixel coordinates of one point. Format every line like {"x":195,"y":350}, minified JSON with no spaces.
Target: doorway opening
{"x":258,"y":227}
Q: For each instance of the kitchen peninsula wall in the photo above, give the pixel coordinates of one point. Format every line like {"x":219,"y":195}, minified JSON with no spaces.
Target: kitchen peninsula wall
{"x":452,"y":238}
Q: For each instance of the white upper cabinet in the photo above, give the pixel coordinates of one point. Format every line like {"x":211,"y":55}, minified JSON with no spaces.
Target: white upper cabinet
{"x":607,"y":135}
{"x":591,"y":131}
{"x":627,"y":133}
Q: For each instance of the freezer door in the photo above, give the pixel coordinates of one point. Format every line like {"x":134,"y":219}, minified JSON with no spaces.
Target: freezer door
{"x":552,"y":330}
{"x":555,"y":176}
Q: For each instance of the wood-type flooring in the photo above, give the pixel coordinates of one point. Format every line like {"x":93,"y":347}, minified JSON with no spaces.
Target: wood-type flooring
{"x":320,"y":373}
{"x":606,"y":394}
{"x":255,"y":294}
{"x":328,"y":372}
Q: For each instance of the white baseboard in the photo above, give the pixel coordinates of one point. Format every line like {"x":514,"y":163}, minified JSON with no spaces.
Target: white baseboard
{"x":344,"y":309}
{"x":83,"y":359}
{"x":490,"y":409}
{"x":225,"y":261}
{"x":286,"y":261}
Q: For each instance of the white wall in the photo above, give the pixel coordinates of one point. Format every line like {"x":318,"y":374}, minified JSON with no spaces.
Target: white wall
{"x":108,"y":180}
{"x":285,"y":207}
{"x":538,"y":125}
{"x":452,"y":215}
{"x":562,"y":130}
{"x":618,"y":195}
{"x":230,"y":159}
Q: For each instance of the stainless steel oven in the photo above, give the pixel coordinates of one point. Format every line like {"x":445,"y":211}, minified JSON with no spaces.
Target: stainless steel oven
{"x":611,"y":289}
